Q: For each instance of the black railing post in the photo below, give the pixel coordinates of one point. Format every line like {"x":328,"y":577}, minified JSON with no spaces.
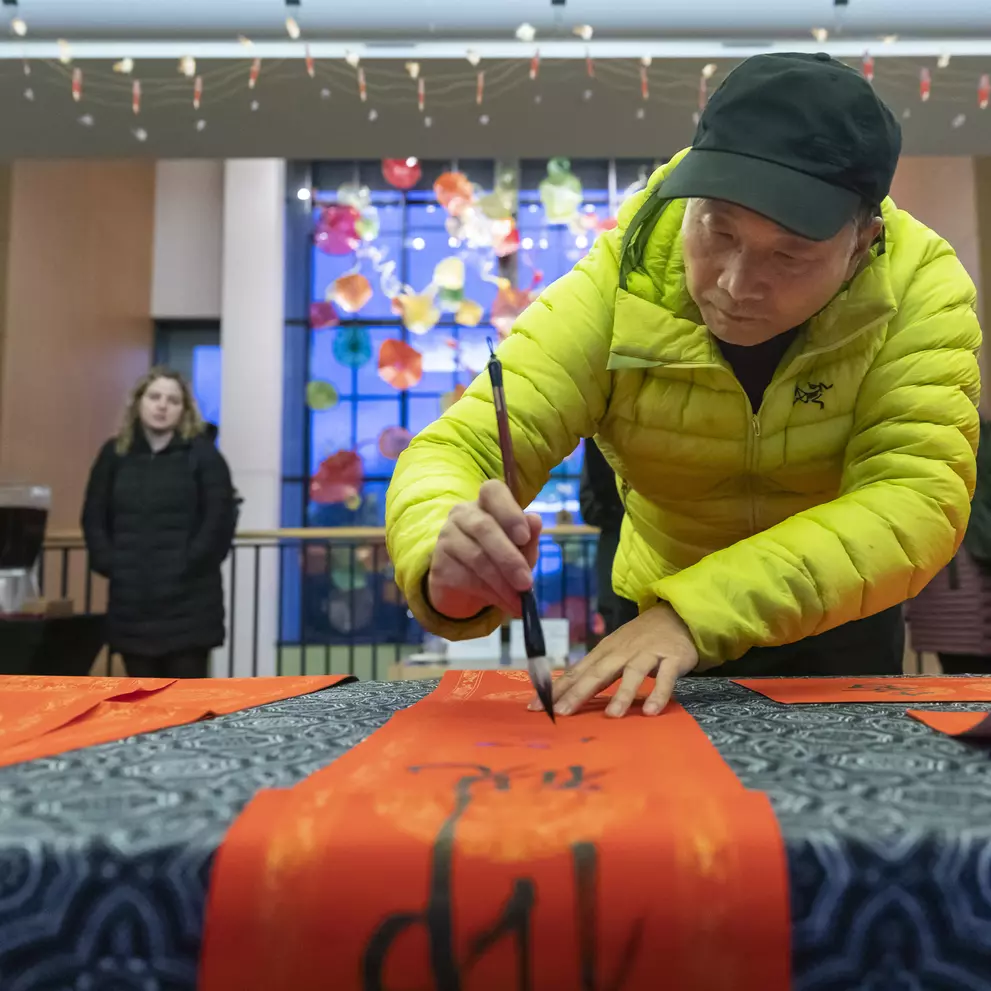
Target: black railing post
{"x":233,"y":623}
{"x":352,"y":625}
{"x":254,"y":618}
{"x":301,"y":557}
{"x":279,"y":632}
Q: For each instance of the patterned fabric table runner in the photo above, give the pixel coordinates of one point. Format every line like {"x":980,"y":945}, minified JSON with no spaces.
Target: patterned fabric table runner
{"x":44,"y":716}
{"x":471,"y":845}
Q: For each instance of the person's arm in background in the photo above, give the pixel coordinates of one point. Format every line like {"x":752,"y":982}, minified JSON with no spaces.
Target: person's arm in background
{"x":904,"y":499}
{"x":210,"y":544}
{"x":96,"y":511}
{"x":557,"y":388}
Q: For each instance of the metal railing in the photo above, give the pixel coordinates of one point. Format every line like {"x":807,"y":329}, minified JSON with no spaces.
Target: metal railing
{"x":316,"y":601}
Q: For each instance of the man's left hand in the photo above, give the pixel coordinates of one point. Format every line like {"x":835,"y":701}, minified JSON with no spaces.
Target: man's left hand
{"x":655,"y":643}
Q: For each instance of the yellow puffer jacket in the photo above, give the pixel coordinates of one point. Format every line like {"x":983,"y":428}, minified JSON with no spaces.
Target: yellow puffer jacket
{"x":841,"y":496}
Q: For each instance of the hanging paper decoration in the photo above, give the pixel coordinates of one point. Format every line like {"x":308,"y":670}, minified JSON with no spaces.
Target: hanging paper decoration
{"x":450,"y":300}
{"x":359,"y":198}
{"x":454,"y":191}
{"x":509,"y":303}
{"x":469,"y":313}
{"x":256,"y":68}
{"x":526,"y":33}
{"x":644,"y":81}
{"x":352,"y":346}
{"x":19,"y":26}
{"x":560,"y":192}
{"x":589,"y":64}
{"x":505,"y":238}
{"x":473,"y":58}
{"x":197,"y":92}
{"x":125,"y":66}
{"x":401,"y":173}
{"x":338,"y":479}
{"x":502,"y":201}
{"x":292,"y":28}
{"x":320,"y":395}
{"x":349,"y":574}
{"x":480,"y":88}
{"x":868,"y":67}
{"x":393,"y":441}
{"x":362,"y":85}
{"x":136,"y":97}
{"x":448,"y":399}
{"x":351,"y":292}
{"x":187,"y":66}
{"x":418,"y":312}
{"x":311,"y":69}
{"x":450,"y":274}
{"x":925,"y":85}
{"x":323,"y":315}
{"x":984,"y":92}
{"x":335,"y":232}
{"x":535,"y":64}
{"x":400,"y":365}
{"x":77,"y":84}
{"x":353,"y":59}
{"x":413,"y":68}
{"x":64,"y":51}
{"x":584,"y":31}
{"x":421,"y":95}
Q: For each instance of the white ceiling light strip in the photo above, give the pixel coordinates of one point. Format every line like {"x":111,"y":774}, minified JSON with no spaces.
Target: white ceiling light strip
{"x":599,"y":49}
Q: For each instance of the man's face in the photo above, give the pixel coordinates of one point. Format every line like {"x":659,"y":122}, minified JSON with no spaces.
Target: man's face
{"x":752,"y":279}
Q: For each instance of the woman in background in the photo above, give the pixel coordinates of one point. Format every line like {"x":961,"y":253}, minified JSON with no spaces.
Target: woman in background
{"x":158,"y":523}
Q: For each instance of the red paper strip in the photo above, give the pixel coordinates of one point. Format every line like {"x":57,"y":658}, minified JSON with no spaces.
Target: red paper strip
{"x":535,"y":64}
{"x":968,"y":725}
{"x":472,"y":844}
{"x":77,"y":84}
{"x":256,"y":68}
{"x":793,"y":691}
{"x":311,"y":69}
{"x":136,"y":97}
{"x":480,"y":88}
{"x":42,"y":717}
{"x":197,"y":92}
{"x":644,"y":84}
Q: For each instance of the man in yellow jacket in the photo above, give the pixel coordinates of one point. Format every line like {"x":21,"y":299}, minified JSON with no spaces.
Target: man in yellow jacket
{"x":780,"y":366}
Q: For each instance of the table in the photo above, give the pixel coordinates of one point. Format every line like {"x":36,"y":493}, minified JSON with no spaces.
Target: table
{"x":55,"y":645}
{"x":105,"y":853}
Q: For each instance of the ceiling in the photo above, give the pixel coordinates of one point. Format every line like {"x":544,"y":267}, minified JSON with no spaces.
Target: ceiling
{"x":294,"y":116}
{"x":475,"y":19}
{"x":563,"y":111}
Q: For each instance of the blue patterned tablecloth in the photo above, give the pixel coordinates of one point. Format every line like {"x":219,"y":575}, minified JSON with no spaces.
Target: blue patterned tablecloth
{"x":105,"y":853}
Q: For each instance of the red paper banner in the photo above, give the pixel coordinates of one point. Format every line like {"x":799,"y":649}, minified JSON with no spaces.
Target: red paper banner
{"x":42,"y":717}
{"x":472,"y":845}
{"x":792,"y":691}
{"x":967,"y":725}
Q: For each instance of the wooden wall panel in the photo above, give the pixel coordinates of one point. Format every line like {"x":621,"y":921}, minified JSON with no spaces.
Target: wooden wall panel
{"x":76,"y":329}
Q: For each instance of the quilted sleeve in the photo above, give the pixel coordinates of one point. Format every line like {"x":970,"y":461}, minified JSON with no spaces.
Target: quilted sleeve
{"x":908,"y":477}
{"x":556,"y":386}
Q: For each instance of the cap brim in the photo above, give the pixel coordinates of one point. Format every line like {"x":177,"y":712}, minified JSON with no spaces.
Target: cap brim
{"x":800,"y":203}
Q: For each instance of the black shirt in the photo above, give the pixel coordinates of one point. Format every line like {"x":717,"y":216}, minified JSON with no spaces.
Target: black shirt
{"x":754,"y":365}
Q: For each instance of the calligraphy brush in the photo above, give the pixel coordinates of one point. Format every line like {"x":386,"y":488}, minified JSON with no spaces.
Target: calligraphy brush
{"x":533,"y":633}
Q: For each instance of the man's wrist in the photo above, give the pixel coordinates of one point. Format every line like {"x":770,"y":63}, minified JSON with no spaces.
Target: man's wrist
{"x":425,"y":592}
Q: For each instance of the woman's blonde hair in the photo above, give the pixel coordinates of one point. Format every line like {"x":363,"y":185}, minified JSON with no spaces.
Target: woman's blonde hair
{"x":190,"y":423}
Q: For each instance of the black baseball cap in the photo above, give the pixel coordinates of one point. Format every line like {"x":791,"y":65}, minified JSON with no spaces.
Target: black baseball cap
{"x":800,"y":139}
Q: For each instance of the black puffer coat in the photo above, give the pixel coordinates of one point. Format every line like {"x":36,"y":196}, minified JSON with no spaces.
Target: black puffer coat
{"x":157,"y":525}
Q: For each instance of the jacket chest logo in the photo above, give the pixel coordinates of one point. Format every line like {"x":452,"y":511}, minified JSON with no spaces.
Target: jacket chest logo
{"x":812,"y":393}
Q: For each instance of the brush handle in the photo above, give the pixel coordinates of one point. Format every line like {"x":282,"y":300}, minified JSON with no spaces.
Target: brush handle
{"x":502,"y":421}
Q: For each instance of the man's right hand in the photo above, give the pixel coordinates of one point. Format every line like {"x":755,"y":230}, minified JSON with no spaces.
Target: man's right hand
{"x":485,"y":555}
